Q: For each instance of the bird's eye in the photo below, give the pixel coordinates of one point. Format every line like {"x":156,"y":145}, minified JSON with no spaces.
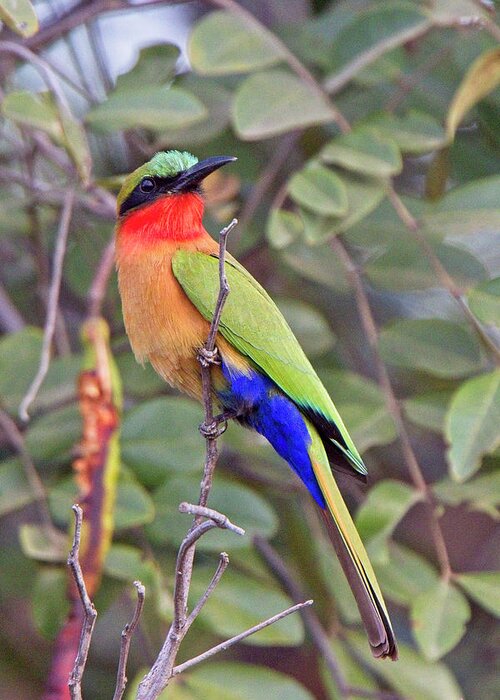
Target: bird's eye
{"x":147,"y":185}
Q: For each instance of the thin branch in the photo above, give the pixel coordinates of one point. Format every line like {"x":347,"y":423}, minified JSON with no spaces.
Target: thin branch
{"x":17,"y":442}
{"x":239,"y":637}
{"x":97,"y":291}
{"x":219,"y":519}
{"x":440,"y":271}
{"x":416,"y":475}
{"x":295,"y":64}
{"x":221,"y":567}
{"x":90,"y":613}
{"x":11,"y":320}
{"x":128,"y":631}
{"x":52,"y":305}
{"x":313,"y":625}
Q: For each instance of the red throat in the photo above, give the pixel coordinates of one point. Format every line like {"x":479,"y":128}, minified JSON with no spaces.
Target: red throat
{"x":173,"y":217}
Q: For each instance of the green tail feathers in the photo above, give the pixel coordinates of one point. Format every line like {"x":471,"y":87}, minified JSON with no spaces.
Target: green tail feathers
{"x":352,"y":555}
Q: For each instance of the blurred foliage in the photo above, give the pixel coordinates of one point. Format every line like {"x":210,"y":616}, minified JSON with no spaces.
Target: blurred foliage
{"x":328,"y":106}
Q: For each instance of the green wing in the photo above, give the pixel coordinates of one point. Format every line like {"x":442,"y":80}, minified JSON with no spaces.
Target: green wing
{"x":254,"y":325}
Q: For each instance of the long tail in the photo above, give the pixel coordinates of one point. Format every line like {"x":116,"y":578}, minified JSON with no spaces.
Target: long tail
{"x":352,"y":555}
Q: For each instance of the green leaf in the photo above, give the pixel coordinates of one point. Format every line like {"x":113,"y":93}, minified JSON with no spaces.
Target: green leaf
{"x":484,"y":588}
{"x":275,"y":102}
{"x":283,"y":228}
{"x":473,"y":424}
{"x":428,"y":410}
{"x":54,"y":434}
{"x":318,"y":264}
{"x":20,"y":16}
{"x":319,"y":189}
{"x":150,"y":106}
{"x":412,"y":676}
{"x":155,"y":65}
{"x":15,"y":491}
{"x":439,"y":616}
{"x":161,"y":436}
{"x":134,"y":506}
{"x":402,"y":266}
{"x":138,"y":380}
{"x":483,"y":493}
{"x":240,"y":602}
{"x":466,"y":210}
{"x":309,"y":326}
{"x":373,"y":33}
{"x":484,"y":301}
{"x":242,"y":506}
{"x":43,"y":543}
{"x":237,"y":681}
{"x":405,"y":574}
{"x":50,"y":602}
{"x":222,"y":43}
{"x":362,"y":406}
{"x":436,"y":346}
{"x":35,"y":110}
{"x":364,"y":151}
{"x":363,"y":196}
{"x":127,"y":563}
{"x":386,"y":505}
{"x":415,"y":132}
{"x":482,"y":77}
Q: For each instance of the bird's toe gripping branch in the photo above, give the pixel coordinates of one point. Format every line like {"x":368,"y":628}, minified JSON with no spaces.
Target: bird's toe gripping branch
{"x":208,"y":357}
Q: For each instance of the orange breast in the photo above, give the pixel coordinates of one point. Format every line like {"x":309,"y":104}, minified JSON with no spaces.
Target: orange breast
{"x":162,"y":324}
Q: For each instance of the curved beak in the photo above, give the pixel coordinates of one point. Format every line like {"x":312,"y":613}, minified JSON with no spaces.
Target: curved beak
{"x":198,"y":172}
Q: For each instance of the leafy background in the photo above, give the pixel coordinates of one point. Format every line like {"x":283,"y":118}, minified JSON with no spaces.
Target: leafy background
{"x":367,"y":188}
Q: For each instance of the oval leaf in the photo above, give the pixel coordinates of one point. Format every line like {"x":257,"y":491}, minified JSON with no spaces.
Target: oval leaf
{"x":387,"y":503}
{"x":364,"y":151}
{"x":149,"y":106}
{"x":240,"y":602}
{"x":283,"y":228}
{"x":473,"y":424}
{"x":309,"y":326}
{"x":484,"y":588}
{"x":36,"y":110}
{"x":275,"y":102}
{"x":222,"y":42}
{"x":481,"y":78}
{"x":484,"y":301}
{"x":439,"y":616}
{"x":439,"y":347}
{"x":20,"y":16}
{"x":319,"y":189}
{"x":414,"y":132}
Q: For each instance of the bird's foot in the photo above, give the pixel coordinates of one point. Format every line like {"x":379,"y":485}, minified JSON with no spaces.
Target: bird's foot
{"x":208,"y":357}
{"x":213,"y":430}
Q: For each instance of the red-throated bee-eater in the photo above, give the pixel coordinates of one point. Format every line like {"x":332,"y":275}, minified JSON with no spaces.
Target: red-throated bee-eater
{"x":169,"y":282}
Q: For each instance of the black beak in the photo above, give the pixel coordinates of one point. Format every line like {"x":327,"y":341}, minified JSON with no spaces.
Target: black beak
{"x":192,"y":177}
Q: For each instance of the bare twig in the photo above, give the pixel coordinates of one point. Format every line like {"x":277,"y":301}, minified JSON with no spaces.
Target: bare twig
{"x":313,"y":625}
{"x":90,"y":613}
{"x":219,"y":519}
{"x":128,"y":631}
{"x":239,"y":637}
{"x":97,"y":290}
{"x":295,"y":64}
{"x":441,"y":272}
{"x":11,"y":320}
{"x":371,"y":332}
{"x":52,"y":303}
{"x":222,"y":566}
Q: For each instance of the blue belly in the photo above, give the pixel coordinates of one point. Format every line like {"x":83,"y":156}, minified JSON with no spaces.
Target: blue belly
{"x":260,"y":405}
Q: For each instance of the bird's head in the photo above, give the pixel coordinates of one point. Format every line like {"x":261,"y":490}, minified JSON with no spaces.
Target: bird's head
{"x":167,"y":174}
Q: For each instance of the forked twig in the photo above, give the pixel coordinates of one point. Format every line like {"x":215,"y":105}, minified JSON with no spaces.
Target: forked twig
{"x":90,"y":613}
{"x":128,"y":631}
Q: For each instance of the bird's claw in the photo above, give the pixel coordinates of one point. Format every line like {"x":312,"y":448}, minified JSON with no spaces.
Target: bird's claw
{"x":208,"y":357}
{"x":213,"y":430}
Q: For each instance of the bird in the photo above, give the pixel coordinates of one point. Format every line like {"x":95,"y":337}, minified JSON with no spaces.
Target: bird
{"x":168,"y":278}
